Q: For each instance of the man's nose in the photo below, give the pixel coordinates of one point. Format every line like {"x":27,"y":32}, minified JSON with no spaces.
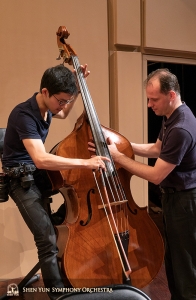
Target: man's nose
{"x":149,"y":103}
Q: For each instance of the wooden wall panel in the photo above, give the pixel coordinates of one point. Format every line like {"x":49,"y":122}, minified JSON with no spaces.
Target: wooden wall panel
{"x":170,"y":24}
{"x":129,"y":90}
{"x":128,"y":22}
{"x":126,"y":27}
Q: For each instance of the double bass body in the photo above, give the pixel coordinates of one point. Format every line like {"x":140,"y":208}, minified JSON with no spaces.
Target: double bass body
{"x":90,"y":254}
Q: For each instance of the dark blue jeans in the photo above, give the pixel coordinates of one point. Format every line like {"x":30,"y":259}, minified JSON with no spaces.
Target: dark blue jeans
{"x":31,"y":207}
{"x":179,"y":213}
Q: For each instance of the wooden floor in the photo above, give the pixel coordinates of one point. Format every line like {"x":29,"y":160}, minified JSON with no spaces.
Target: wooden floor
{"x":156,"y":290}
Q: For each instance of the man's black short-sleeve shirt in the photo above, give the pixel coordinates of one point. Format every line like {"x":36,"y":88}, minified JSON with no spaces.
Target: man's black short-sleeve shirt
{"x":24,"y":122}
{"x":178,"y":136}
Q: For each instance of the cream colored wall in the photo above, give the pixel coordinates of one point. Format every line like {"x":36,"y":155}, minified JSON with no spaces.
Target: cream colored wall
{"x":27,"y":47}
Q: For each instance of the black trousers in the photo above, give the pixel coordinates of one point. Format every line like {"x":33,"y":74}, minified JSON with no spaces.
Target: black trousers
{"x":31,"y":206}
{"x":179,"y":213}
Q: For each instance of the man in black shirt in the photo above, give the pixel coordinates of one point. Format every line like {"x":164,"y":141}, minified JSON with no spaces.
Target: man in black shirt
{"x":175,"y":172}
{"x":24,"y":151}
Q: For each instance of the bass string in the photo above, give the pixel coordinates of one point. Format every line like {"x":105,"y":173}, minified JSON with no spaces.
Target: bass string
{"x":111,"y":175}
{"x":122,"y":255}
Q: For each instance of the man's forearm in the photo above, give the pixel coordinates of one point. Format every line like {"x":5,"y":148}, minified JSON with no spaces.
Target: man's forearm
{"x":145,"y":150}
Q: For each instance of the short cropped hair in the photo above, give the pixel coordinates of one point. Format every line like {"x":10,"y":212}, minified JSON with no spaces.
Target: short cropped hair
{"x":168,"y":81}
{"x":59,"y":79}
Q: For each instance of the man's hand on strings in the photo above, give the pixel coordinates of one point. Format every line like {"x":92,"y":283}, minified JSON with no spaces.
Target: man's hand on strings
{"x":91,"y":147}
{"x":97,"y":162}
{"x":84,"y":71}
{"x":111,"y":146}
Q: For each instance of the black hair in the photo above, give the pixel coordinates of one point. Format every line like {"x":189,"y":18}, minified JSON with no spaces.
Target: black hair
{"x":59,"y":79}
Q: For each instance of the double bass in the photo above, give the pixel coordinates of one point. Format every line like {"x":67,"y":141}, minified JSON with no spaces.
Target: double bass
{"x":105,"y":238}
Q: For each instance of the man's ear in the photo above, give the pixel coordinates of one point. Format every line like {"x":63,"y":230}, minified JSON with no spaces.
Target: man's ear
{"x":172,"y":94}
{"x":45,"y":92}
